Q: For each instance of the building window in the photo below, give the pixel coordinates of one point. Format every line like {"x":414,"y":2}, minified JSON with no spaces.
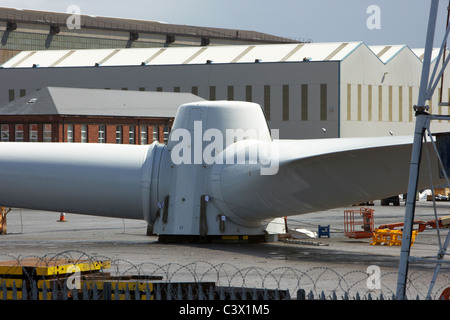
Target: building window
{"x":84,"y":133}
{"x":19,"y":132}
{"x":101,"y":134}
{"x":5,"y":132}
{"x":323,"y":102}
{"x":33,"y":129}
{"x":11,"y":95}
{"x":349,"y":101}
{"x":166,"y":134}
{"x":285,"y":102}
{"x":212,"y":93}
{"x":176,"y":89}
{"x":380,"y":103}
{"x":69,"y":133}
{"x":230,"y":93}
{"x":143,"y":134}
{"x":359,"y":103}
{"x":131,"y":137}
{"x":369,"y":102}
{"x":155,"y":133}
{"x":119,"y":134}
{"x":400,"y":103}
{"x":304,"y":111}
{"x":248,"y":94}
{"x":267,"y":102}
{"x":194,"y":90}
{"x":47,"y":133}
{"x":22,"y":93}
{"x":390,"y":103}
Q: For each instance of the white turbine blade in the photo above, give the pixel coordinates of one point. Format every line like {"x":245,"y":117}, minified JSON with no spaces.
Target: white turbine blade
{"x":317,"y":175}
{"x":98,"y":179}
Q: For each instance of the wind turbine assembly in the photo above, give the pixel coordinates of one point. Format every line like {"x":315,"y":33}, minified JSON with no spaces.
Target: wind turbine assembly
{"x":223,"y":172}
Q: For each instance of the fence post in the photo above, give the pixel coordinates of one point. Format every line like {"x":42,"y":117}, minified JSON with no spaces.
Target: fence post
{"x":221,"y":294}
{"x":277,"y":294}
{"x":180,"y":293}
{"x":158,"y":292}
{"x":211,"y":293}
{"x":116,"y":292}
{"x":65,"y":292}
{"x":266,"y":294}
{"x":137,"y":292}
{"x":169,"y":292}
{"x":74,"y":293}
{"x":200,"y":294}
{"x":95,"y":295}
{"x":322,"y":296}
{"x":127,"y":292}
{"x":44,"y":291}
{"x":147,"y":292}
{"x":254,"y":294}
{"x":34,"y":294}
{"x":243,"y":294}
{"x":24,"y":291}
{"x":14,"y":290}
{"x":54,"y":291}
{"x":4,"y":290}
{"x":334,"y":296}
{"x":107,"y":291}
{"x":301,"y":294}
{"x":288,"y":295}
{"x":232,"y":294}
{"x":85,"y":292}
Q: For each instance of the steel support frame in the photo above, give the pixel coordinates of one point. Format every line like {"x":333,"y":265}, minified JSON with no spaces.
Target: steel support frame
{"x":422,"y":119}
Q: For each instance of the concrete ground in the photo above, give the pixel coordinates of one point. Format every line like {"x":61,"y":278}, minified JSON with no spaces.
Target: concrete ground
{"x":337,"y":263}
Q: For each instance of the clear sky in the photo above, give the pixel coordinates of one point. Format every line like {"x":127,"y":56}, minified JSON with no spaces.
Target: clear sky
{"x":396,"y":22}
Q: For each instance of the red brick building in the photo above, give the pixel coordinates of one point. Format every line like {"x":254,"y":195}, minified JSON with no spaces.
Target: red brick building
{"x":55,"y":114}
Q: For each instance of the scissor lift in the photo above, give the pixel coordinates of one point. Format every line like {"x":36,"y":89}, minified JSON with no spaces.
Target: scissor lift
{"x":359,"y":223}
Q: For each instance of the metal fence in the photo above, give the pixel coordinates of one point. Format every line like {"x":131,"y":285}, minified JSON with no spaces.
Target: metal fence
{"x":119,"y":279}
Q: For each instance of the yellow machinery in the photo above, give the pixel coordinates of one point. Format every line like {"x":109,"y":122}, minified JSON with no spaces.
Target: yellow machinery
{"x":3,"y":213}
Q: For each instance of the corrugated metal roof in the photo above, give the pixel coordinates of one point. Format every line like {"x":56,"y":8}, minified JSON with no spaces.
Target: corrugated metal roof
{"x":98,"y":102}
{"x":335,"y":51}
{"x":434,"y":54}
{"x":182,"y":55}
{"x":386,"y":53}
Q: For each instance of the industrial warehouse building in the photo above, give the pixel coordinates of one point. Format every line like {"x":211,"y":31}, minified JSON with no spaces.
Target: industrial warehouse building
{"x":307,"y":90}
{"x":24,"y":29}
{"x":55,"y":114}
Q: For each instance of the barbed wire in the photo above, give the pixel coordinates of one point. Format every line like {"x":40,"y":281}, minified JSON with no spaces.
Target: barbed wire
{"x":316,"y":281}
